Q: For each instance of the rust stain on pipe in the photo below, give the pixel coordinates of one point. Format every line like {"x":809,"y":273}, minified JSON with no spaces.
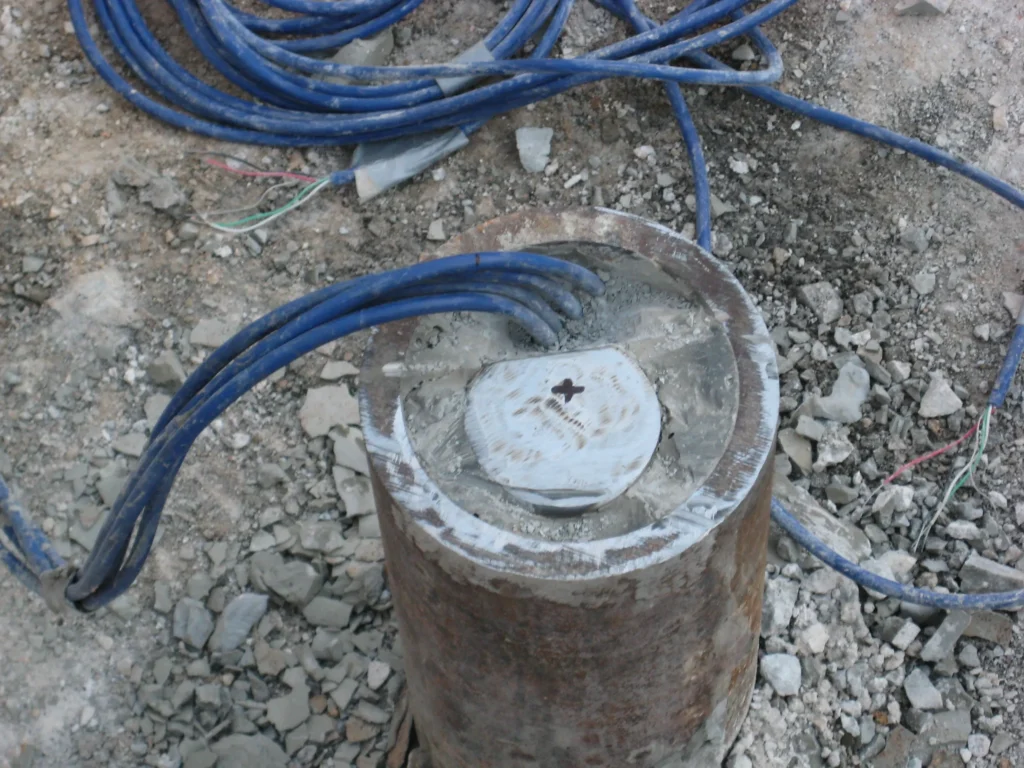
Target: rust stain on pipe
{"x":520,"y":655}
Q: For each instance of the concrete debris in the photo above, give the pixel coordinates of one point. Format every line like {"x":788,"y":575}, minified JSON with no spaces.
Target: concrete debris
{"x":839,"y":534}
{"x":237,"y":621}
{"x":289,"y":711}
{"x":242,"y":751}
{"x":991,"y":626}
{"x":823,"y":300}
{"x":133,"y":445}
{"x":534,"y":145}
{"x":166,"y":370}
{"x":211,"y":333}
{"x":780,"y":597}
{"x":163,"y":194}
{"x":963,"y":530}
{"x":979,"y":574}
{"x":921,"y":692}
{"x":338,"y":369}
{"x":326,"y":408}
{"x":350,"y":450}
{"x":922,"y":7}
{"x":939,"y":400}
{"x":296,"y":582}
{"x":328,"y":612}
{"x":942,"y":643}
{"x":435,"y":232}
{"x":364,"y":52}
{"x":849,"y":393}
{"x":155,"y":407}
{"x":192,"y":622}
{"x":782,"y":671}
{"x":924,"y":283}
{"x":798,"y":448}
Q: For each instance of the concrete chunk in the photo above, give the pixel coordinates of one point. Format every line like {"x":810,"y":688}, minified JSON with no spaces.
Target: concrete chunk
{"x":841,"y":535}
{"x":979,"y":574}
{"x":941,"y":644}
{"x":922,"y":7}
{"x":921,"y":692}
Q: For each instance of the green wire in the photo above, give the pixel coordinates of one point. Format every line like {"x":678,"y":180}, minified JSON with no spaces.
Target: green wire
{"x":982,"y":442}
{"x":290,"y":204}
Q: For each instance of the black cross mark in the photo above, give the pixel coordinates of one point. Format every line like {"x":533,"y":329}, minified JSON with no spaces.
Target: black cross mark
{"x":566,"y":389}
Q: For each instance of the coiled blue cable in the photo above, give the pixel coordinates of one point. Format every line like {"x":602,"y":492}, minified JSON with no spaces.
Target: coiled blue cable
{"x":518,"y":285}
{"x":291,"y":106}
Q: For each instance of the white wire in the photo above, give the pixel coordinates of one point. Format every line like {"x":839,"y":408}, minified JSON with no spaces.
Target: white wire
{"x":264,"y":222}
{"x":968,"y":467}
{"x":243,"y":209}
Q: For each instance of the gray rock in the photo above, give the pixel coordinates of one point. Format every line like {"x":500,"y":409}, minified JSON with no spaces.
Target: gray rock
{"x":939,"y":400}
{"x":782,"y":671}
{"x":269,"y":475}
{"x":131,"y":173}
{"x":110,"y":486}
{"x":163,"y":194}
{"x":906,"y":634}
{"x":435,"y":232}
{"x":823,"y":300}
{"x":289,"y":711}
{"x":839,"y":534}
{"x":988,"y":625}
{"x":87,"y":537}
{"x":342,"y":695}
{"x":921,"y":692}
{"x":369,"y":52}
{"x":780,"y":597}
{"x":327,"y":612}
{"x":915,"y":238}
{"x":798,"y":448}
{"x":534,"y":145}
{"x":199,"y":585}
{"x":155,"y":407}
{"x":326,"y":408}
{"x":922,"y":8}
{"x":809,"y":428}
{"x":894,"y":498}
{"x":237,"y":621}
{"x":979,"y":744}
{"x":350,"y":451}
{"x":979,"y":574}
{"x":923,"y":283}
{"x":963,"y":530}
{"x":296,"y":582}
{"x":355,"y":492}
{"x":133,"y":445}
{"x":166,"y":370}
{"x":31,"y":264}
{"x":1001,"y":742}
{"x":840,"y":494}
{"x":952,"y":727}
{"x":849,"y":393}
{"x":256,"y":751}
{"x":942,"y":643}
{"x":969,"y":657}
{"x":162,"y":602}
{"x":204,"y":758}
{"x":338,"y":369}
{"x":192,"y":622}
{"x":211,"y":333}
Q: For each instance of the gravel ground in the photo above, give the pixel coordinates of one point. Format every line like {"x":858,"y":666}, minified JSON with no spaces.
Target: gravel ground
{"x":261,"y":633}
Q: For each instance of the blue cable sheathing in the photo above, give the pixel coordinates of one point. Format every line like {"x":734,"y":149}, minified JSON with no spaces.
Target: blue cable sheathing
{"x":107,"y":572}
{"x":1010,"y":364}
{"x":992,"y":601}
{"x":292,"y":105}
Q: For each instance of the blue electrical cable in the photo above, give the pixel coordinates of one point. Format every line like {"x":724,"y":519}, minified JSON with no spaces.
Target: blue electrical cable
{"x":480,"y":282}
{"x":291,"y":105}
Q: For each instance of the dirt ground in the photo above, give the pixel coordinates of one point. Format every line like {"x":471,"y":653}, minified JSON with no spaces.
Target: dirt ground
{"x":95,"y":283}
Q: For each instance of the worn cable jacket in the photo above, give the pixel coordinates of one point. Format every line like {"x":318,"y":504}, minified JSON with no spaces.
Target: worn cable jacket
{"x":291,"y":106}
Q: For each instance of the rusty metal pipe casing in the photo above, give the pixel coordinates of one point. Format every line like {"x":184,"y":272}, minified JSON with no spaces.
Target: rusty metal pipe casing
{"x":576,"y":541}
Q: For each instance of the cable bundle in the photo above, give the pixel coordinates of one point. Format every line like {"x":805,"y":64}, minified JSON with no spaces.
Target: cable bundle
{"x":525,"y":287}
